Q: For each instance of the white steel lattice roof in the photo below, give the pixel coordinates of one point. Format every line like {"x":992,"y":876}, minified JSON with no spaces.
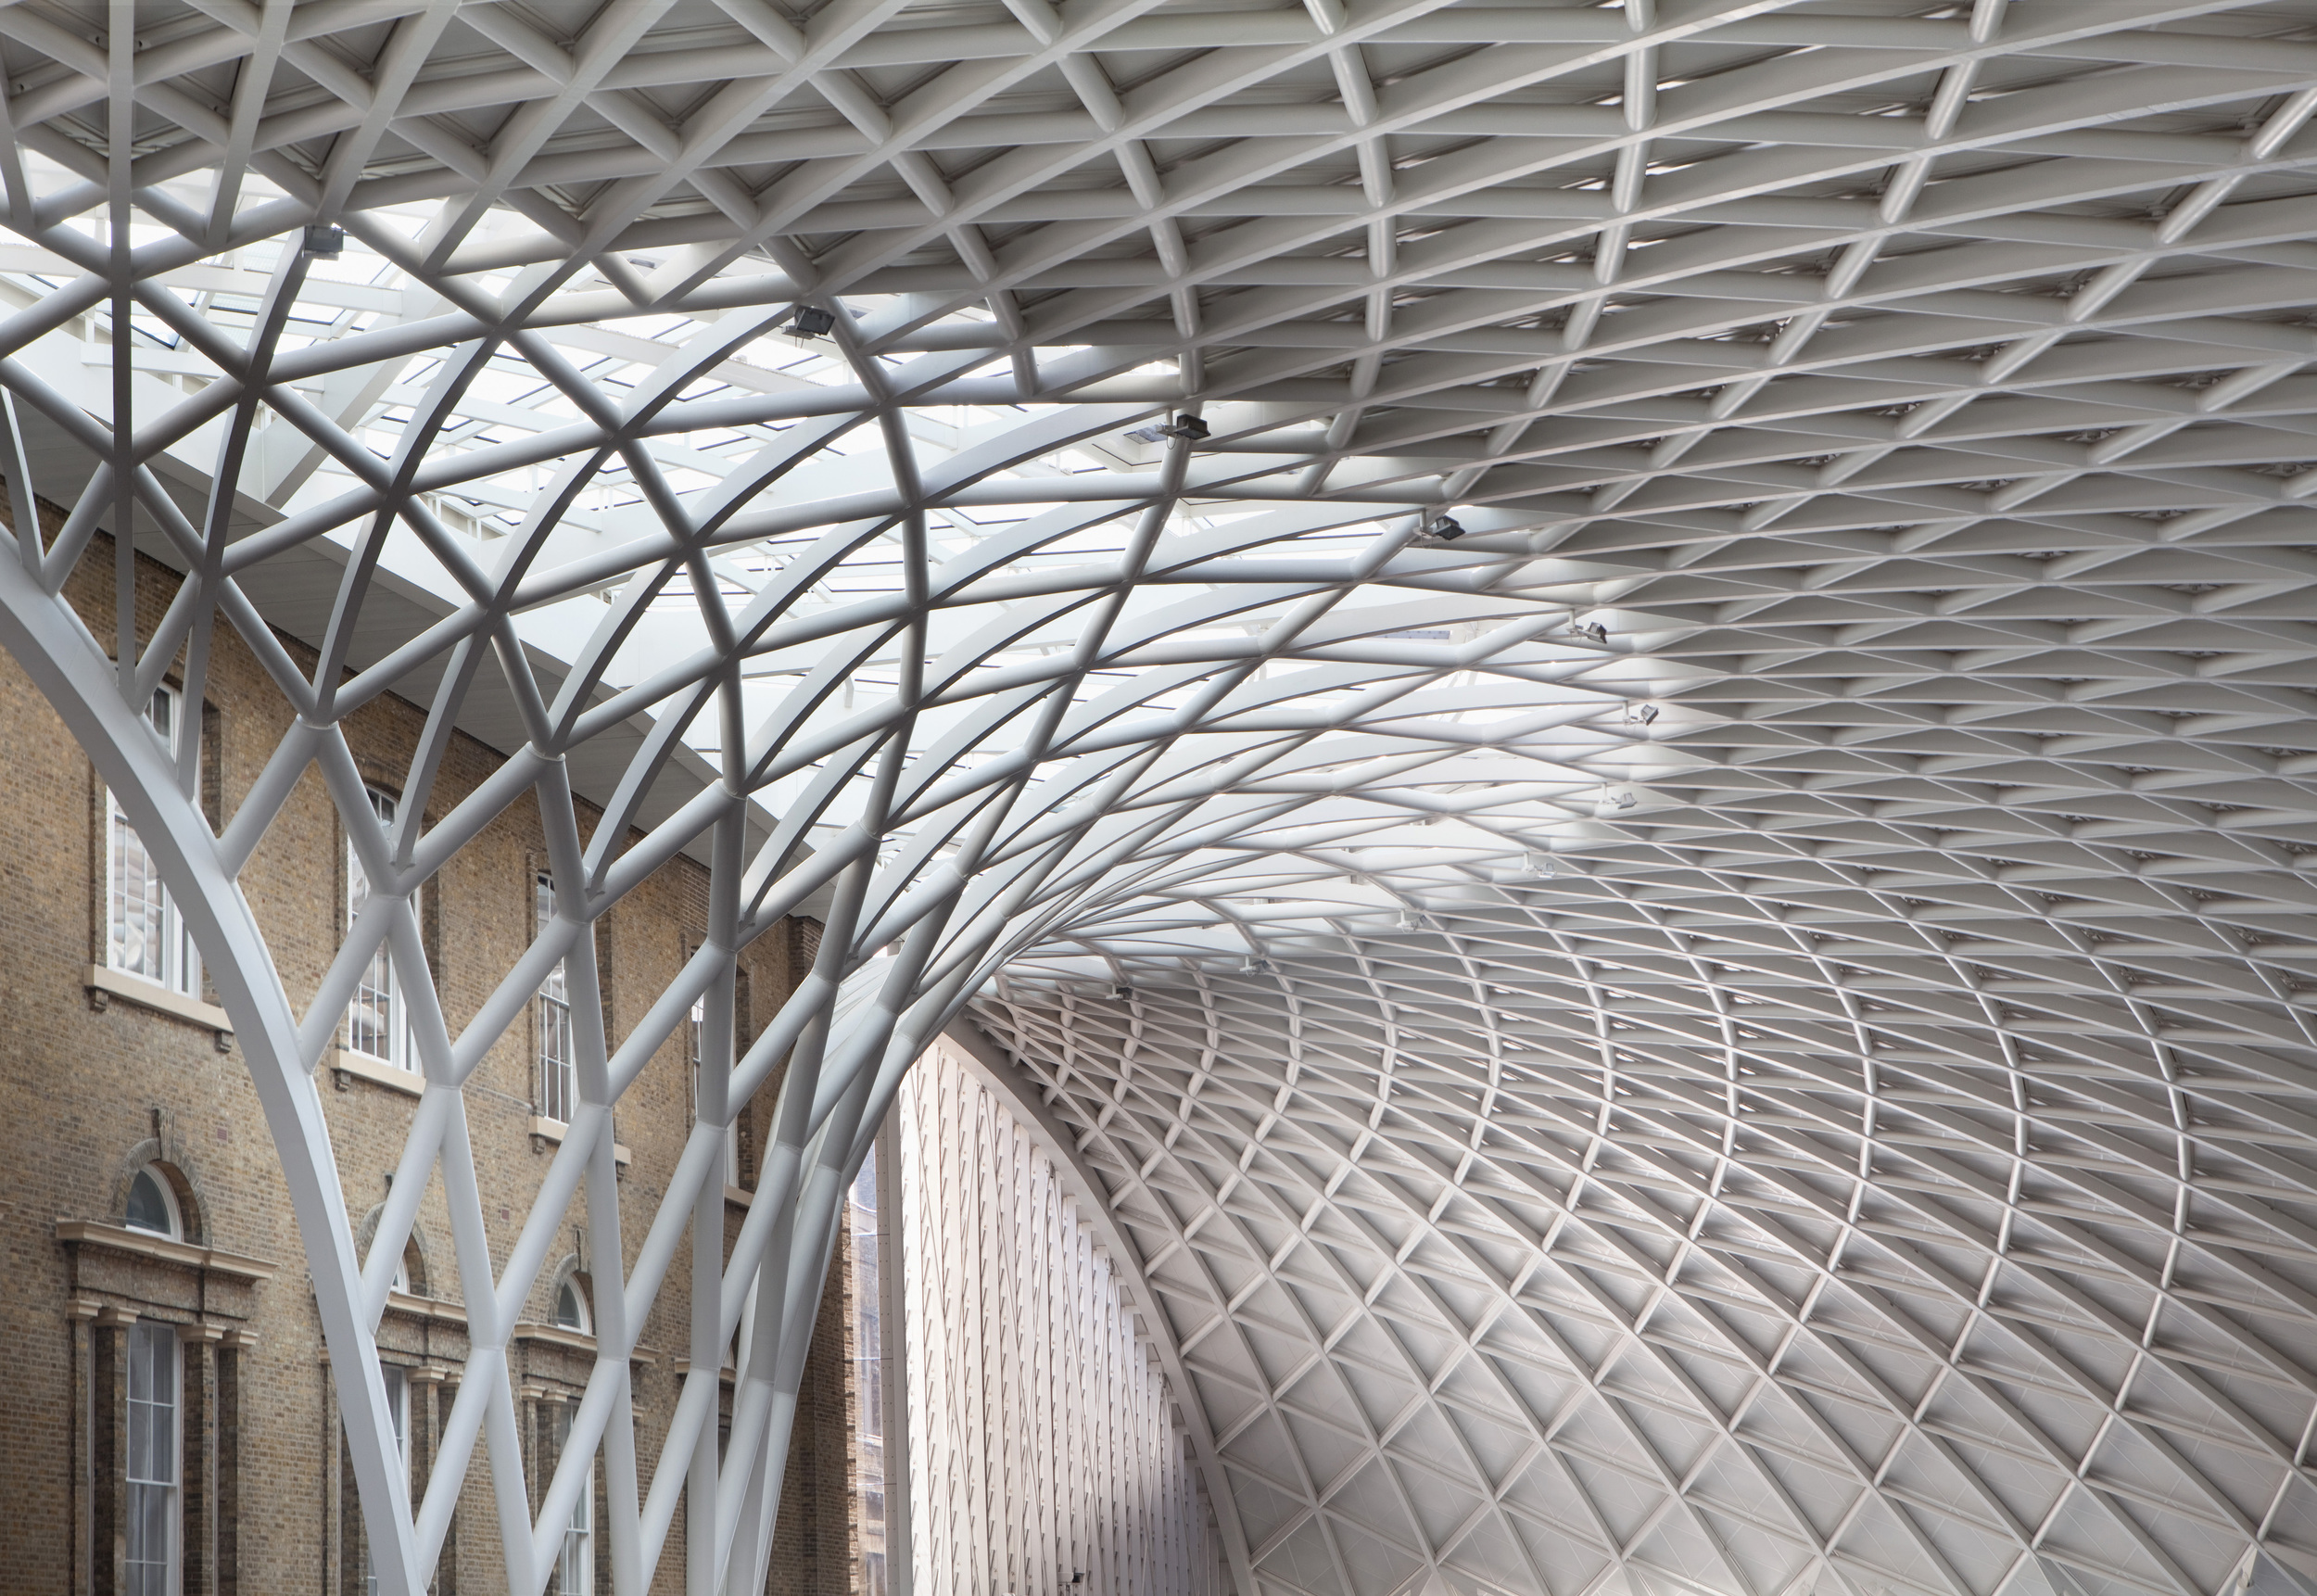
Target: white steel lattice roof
{"x":1660,"y":868}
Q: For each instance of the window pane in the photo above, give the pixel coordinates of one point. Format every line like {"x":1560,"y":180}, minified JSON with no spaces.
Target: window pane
{"x":377,"y":1021}
{"x":544,"y":900}
{"x":139,"y":911}
{"x":153,"y":1528}
{"x":571,"y":1309}
{"x":558,"y":1083}
{"x":140,"y":1364}
{"x":164,"y":1344}
{"x":575,"y":1565}
{"x":144,"y":934}
{"x":399,"y":1408}
{"x":148,"y":1208}
{"x":152,"y":1461}
{"x":140,"y":1441}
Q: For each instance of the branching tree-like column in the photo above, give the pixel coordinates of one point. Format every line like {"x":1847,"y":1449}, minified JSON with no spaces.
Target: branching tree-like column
{"x":940,"y":866}
{"x":962,"y":857}
{"x":938,"y":856}
{"x":1732,"y":385}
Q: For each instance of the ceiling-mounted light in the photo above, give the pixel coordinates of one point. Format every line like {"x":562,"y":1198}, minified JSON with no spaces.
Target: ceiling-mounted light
{"x":1537,"y":867}
{"x":1622,"y":800}
{"x":1640,"y":714}
{"x":1593,"y":630}
{"x":1448,"y":528}
{"x":324,"y":241}
{"x":1187,"y":427}
{"x":813,"y":320}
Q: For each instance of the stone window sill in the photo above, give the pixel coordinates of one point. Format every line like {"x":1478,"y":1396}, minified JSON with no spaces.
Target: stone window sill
{"x":377,"y":1071}
{"x":141,"y":1244}
{"x":425,"y":1307}
{"x":104,"y":984}
{"x":544,"y":1130}
{"x":683,"y":1366}
{"x":580,"y":1341}
{"x":555,"y":1335}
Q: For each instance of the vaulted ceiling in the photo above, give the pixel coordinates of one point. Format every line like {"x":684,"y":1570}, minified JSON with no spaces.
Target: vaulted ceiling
{"x":1612,"y":1240}
{"x":1660,"y":866}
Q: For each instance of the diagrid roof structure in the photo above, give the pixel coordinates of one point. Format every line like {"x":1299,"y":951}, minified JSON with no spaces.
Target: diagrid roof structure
{"x":1657,"y":864}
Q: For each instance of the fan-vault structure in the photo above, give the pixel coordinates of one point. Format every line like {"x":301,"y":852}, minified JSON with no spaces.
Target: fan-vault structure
{"x":1657,"y":872}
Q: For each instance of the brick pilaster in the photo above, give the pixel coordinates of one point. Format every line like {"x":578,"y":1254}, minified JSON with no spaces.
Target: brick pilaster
{"x":196,"y":1460}
{"x":229,"y":1412}
{"x":109,"y":1451}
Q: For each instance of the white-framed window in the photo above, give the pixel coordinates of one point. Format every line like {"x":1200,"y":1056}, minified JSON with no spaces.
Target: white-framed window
{"x":576,"y":1571}
{"x":576,"y":1560}
{"x":145,"y":935}
{"x":575,"y":1567}
{"x":378,"y":1021}
{"x":153,"y":1207}
{"x":732,"y":1130}
{"x":152,"y":1561}
{"x":399,"y":1409}
{"x":399,"y":1415}
{"x":571,"y":1306}
{"x":559,"y":1083}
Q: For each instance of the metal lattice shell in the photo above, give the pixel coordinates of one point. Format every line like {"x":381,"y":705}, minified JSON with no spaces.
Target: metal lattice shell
{"x":1616,"y":697}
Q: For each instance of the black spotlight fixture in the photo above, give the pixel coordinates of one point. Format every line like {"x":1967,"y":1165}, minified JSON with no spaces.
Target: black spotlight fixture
{"x":1188,"y":427}
{"x":1448,"y":528}
{"x":813,"y":320}
{"x":324,"y":240}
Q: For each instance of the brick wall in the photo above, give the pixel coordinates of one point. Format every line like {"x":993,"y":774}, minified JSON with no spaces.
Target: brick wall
{"x":95,"y":1083}
{"x":811,"y":1545}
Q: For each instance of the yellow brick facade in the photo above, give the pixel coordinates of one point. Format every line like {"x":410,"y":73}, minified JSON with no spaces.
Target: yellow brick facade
{"x":100,"y":1077}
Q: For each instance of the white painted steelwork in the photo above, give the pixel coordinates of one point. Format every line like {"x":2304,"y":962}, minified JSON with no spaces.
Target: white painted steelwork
{"x":1772,"y":532}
